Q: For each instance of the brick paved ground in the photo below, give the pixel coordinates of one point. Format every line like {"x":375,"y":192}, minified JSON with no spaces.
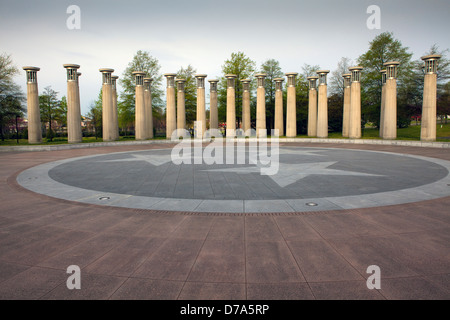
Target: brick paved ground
{"x":141,"y":254}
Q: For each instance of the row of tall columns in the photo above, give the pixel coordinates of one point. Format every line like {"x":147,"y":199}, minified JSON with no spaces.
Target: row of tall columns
{"x":317,"y":109}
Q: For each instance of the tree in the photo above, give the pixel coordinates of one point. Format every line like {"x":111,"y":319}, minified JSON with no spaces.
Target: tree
{"x":95,"y":114}
{"x":50,"y":108}
{"x":272,"y":68}
{"x":11,"y":97}
{"x":309,"y":70}
{"x":443,"y":102}
{"x":142,"y":61}
{"x":336,"y":81}
{"x":190,"y":93}
{"x":382,"y":48}
{"x":63,"y":112}
{"x":243,"y":67}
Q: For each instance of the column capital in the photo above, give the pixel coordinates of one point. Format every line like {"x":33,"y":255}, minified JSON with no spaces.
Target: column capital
{"x":72,"y":74}
{"x":246,"y":84}
{"x":431,"y":63}
{"x":291,"y":78}
{"x":230,"y":80}
{"x":431,"y":57}
{"x":106,"y":70}
{"x":139,"y":77}
{"x":200,"y":80}
{"x":391,"y":69}
{"x":213,"y":85}
{"x":322,"y":77}
{"x":28,"y":68}
{"x":71,"y":66}
{"x":260,"y":79}
{"x":355,"y":73}
{"x":31,"y":73}
{"x":180,"y":83}
{"x":113,"y":81}
{"x":312,"y":82}
{"x":170,"y":79}
{"x":106,"y":75}
{"x":383,"y":77}
{"x":147,"y":83}
{"x":278,"y":84}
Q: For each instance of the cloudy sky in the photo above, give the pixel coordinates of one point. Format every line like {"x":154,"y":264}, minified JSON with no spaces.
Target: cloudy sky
{"x":204,"y":33}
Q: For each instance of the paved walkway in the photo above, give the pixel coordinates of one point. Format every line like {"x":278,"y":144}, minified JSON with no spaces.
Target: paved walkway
{"x":142,"y":254}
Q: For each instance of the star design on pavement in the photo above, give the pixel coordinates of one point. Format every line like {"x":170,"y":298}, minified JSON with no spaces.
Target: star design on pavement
{"x":290,"y":173}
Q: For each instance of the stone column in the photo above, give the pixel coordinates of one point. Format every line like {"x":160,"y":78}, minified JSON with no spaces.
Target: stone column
{"x":322,"y":105}
{"x":33,"y":111}
{"x":291,"y":108}
{"x":148,"y":106}
{"x":213,"y":112}
{"x":231,"y":106}
{"x":140,"y":125}
{"x":73,"y":108}
{"x":181,"y":108}
{"x":428,"y":123}
{"x":390,"y":101}
{"x":261,"y":129}
{"x":115,"y":113}
{"x":107,"y":104}
{"x":246,"y":118}
{"x":171,"y":118}
{"x":201,"y":105}
{"x":383,"y":101}
{"x":346,"y":111}
{"x":354,"y":129}
{"x":312,"y":107}
{"x":79,"y":102}
{"x":279,"y":123}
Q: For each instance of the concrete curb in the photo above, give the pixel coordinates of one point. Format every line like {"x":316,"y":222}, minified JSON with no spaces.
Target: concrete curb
{"x":407,"y":143}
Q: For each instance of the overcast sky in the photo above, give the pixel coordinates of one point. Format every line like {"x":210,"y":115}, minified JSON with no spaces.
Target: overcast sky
{"x":204,"y":33}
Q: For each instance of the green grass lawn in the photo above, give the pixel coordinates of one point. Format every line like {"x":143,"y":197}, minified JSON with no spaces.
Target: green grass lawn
{"x":410,"y":133}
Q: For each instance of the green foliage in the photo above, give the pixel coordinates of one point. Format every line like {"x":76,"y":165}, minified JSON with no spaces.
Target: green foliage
{"x":190,"y":93}
{"x":11,"y":97}
{"x":272,"y":68}
{"x":95,"y":115}
{"x":51,"y":111}
{"x":243,"y":67}
{"x":142,"y":61}
{"x":382,"y":49}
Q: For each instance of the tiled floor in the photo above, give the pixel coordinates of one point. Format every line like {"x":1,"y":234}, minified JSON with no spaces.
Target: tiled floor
{"x":141,"y":254}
